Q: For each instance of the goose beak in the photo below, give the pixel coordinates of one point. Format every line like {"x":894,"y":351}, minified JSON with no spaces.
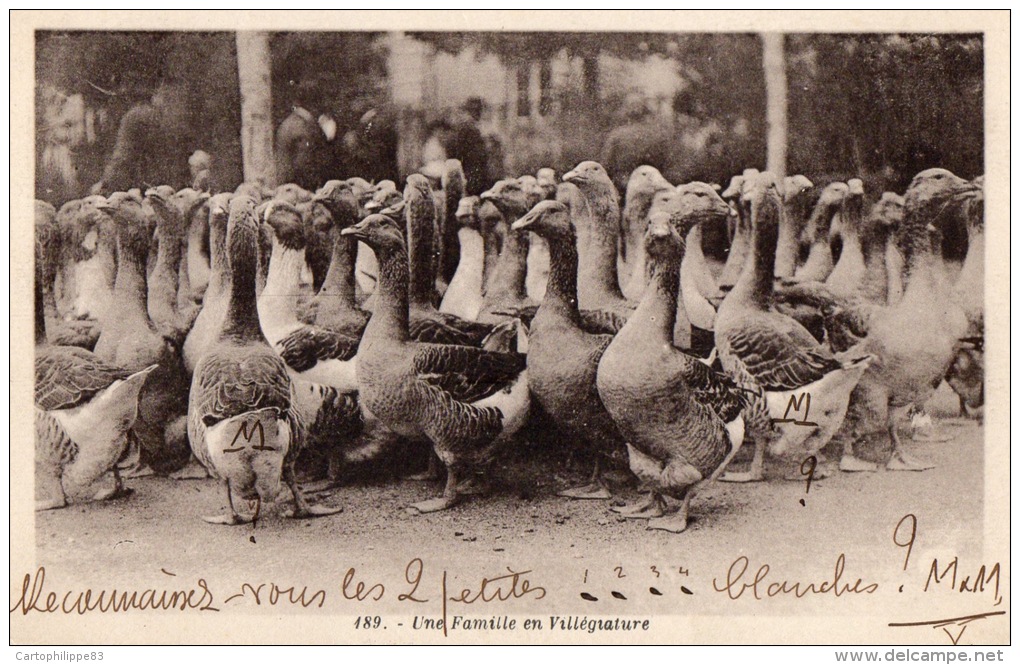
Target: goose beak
{"x":529,"y":218}
{"x":856,"y":187}
{"x":571,"y":176}
{"x":373,"y":206}
{"x":394,"y":210}
{"x":489,"y":195}
{"x":104,"y":206}
{"x":203,"y":197}
{"x":658,"y":226}
{"x":154,"y":194}
{"x":319,"y":197}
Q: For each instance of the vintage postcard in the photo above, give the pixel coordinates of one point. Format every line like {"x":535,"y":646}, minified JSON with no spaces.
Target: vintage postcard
{"x":510,"y":328}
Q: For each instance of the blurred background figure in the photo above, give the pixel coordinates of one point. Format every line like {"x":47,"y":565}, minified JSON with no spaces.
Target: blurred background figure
{"x":64,"y":127}
{"x":370,"y":148}
{"x":467,"y":144}
{"x":302,"y":145}
{"x":153,"y":143}
{"x":200,"y":165}
{"x":698,"y":139}
{"x":642,"y":139}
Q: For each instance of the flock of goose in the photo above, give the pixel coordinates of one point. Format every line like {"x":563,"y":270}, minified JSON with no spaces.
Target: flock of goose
{"x":231,"y":335}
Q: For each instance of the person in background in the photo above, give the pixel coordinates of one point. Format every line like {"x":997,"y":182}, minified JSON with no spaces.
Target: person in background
{"x":701,"y":155}
{"x":153,"y":143}
{"x":469,"y":146}
{"x":640,"y":140}
{"x":301,"y":142}
{"x":200,"y":165}
{"x":371,"y":146}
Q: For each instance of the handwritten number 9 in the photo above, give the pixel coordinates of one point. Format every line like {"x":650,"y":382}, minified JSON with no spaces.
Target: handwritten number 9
{"x":902,"y":539}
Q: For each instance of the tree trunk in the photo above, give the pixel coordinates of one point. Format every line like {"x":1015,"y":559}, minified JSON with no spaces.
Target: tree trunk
{"x":253,"y":69}
{"x":774,"y":62}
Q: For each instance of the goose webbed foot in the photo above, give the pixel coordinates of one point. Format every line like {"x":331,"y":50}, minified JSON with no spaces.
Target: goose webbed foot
{"x":676,"y":522}
{"x":474,"y":486}
{"x":193,"y":470}
{"x":651,"y":506}
{"x":229,"y":519}
{"x":595,"y":491}
{"x":302,"y":508}
{"x":853,"y":464}
{"x":901,"y":461}
{"x":50,"y":504}
{"x":449,"y":498}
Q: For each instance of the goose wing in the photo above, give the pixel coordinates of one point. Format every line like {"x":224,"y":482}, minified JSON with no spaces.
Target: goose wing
{"x":228,"y":385}
{"x":430,"y":331}
{"x":466,"y":374}
{"x":67,"y":377}
{"x":601,"y":322}
{"x":779,"y":353}
{"x":717,"y":391}
{"x":307,"y":346}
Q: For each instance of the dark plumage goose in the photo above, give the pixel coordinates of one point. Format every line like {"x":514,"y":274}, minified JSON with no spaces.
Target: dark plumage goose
{"x":454,"y":185}
{"x":683,"y":422}
{"x":596,"y":212}
{"x":84,"y":409}
{"x":192,"y":206}
{"x":914,"y":340}
{"x":311,"y":353}
{"x":465,"y":400}
{"x":819,"y":261}
{"x":563,"y":357}
{"x":796,"y":200}
{"x":642,"y":185}
{"x":740,"y":239}
{"x":760,"y":347}
{"x":334,"y":305}
{"x":129,"y":339}
{"x":241,"y":419}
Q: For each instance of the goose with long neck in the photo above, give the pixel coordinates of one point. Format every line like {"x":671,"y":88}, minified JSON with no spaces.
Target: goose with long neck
{"x":49,"y":242}
{"x":164,"y":283}
{"x":192,"y":206}
{"x":311,"y":353}
{"x":642,"y":186}
{"x":88,"y":260}
{"x":818,"y":265}
{"x":427,"y":322}
{"x":217,"y":294}
{"x":454,"y":186}
{"x":466,"y":401}
{"x":493,"y":229}
{"x":507,"y":290}
{"x":916,"y":339}
{"x":847,"y":276}
{"x":683,"y":422}
{"x":130,"y":339}
{"x":762,"y":348}
{"x":334,"y":305}
{"x":463,"y":296}
{"x":797,"y":202}
{"x":84,"y":409}
{"x":597,"y":220}
{"x":199,"y":254}
{"x":740,"y":239}
{"x":700,"y":207}
{"x":562,"y":356}
{"x":241,"y":419}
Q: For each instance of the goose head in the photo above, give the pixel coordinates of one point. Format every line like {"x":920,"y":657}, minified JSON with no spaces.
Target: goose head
{"x":292,"y":193}
{"x":340,"y":200}
{"x":546,"y":179}
{"x":509,"y":197}
{"x":243,"y":235}
{"x":383,"y":199}
{"x":644,"y":182}
{"x":128,"y":216}
{"x":763,"y":193}
{"x":663,"y":244}
{"x":379,"y":232}
{"x":933,"y":192}
{"x":418,"y":195}
{"x":167,"y":217}
{"x":251,"y":189}
{"x":699,"y":202}
{"x":548,"y":219}
{"x":466,"y":214}
{"x":533,"y":192}
{"x":589,"y":176}
{"x":286,"y":222}
{"x":188,"y":202}
{"x":888,"y":210}
{"x":219,"y":210}
{"x":362,"y":189}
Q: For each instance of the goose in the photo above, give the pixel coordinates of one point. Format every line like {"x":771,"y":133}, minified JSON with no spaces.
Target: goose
{"x":494,"y":230}
{"x":427,"y":322}
{"x":538,"y":251}
{"x":682,"y":421}
{"x":463,"y":296}
{"x":131,"y":340}
{"x":819,"y":262}
{"x":83,"y":284}
{"x":84,"y":409}
{"x":384,"y":195}
{"x":513,"y":197}
{"x":192,"y":206}
{"x":563,"y":357}
{"x":966,"y":375}
{"x":760,"y":347}
{"x":796,"y":200}
{"x":467,"y":401}
{"x":698,"y":202}
{"x":241,"y":419}
{"x":597,"y":215}
{"x":49,"y":240}
{"x":847,"y":276}
{"x":254,"y":190}
{"x":198,"y":256}
{"x":740,"y":238}
{"x":642,"y":185}
{"x":318,"y":246}
{"x":164,"y":282}
{"x":453,"y":185}
{"x":214,"y":304}
{"x":915,"y":340}
{"x":334,"y":305}
{"x":311,"y":353}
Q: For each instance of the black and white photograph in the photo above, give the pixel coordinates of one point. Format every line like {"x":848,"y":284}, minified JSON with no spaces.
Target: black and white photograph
{"x":511,"y":328}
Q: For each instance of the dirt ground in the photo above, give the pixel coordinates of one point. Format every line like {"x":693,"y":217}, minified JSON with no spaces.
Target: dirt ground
{"x":571,"y":547}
